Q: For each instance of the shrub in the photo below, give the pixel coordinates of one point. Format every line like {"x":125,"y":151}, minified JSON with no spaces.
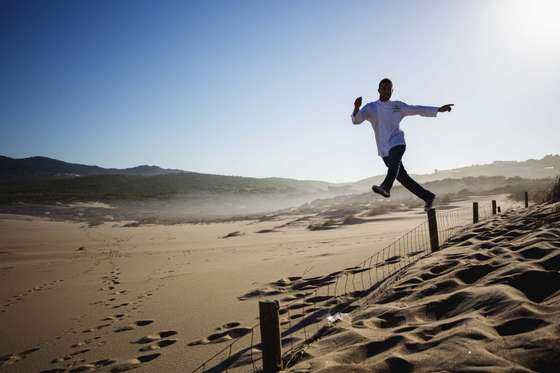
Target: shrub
{"x":554,"y":195}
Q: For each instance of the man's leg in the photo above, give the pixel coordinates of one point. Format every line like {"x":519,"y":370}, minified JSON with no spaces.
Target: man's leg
{"x":413,"y":186}
{"x":393,"y":162}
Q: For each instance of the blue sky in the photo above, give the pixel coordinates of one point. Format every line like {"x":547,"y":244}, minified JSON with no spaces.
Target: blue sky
{"x":266,"y":88}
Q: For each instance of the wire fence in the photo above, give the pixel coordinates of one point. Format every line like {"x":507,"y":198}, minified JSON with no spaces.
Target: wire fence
{"x":315,"y":302}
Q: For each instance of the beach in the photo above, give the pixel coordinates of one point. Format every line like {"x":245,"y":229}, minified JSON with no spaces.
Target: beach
{"x":117,"y":296}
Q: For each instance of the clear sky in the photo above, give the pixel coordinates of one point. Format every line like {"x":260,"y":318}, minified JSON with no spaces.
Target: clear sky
{"x":265,"y":88}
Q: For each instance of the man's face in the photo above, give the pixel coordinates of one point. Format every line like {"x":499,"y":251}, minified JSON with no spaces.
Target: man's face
{"x":385,"y":90}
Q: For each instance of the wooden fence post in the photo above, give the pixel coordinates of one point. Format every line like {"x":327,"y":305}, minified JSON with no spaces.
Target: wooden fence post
{"x":432,"y":225}
{"x":526,"y":199}
{"x":493,"y":207}
{"x":475,"y":212}
{"x":270,"y":336}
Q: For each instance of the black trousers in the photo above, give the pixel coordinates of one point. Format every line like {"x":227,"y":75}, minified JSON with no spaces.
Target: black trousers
{"x":397,"y":171}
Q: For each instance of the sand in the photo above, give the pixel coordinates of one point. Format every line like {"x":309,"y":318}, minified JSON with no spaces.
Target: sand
{"x":115,"y":297}
{"x":488,"y":302}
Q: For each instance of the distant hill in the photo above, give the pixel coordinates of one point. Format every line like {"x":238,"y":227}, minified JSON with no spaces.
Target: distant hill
{"x":134,"y":187}
{"x":46,"y":179}
{"x":151,"y":192}
{"x":547,"y":167}
{"x":43,"y":167}
{"x":42,"y":179}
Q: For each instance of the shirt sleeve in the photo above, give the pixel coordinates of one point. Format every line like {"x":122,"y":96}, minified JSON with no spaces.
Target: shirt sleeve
{"x":360,"y":116}
{"x":425,"y":111}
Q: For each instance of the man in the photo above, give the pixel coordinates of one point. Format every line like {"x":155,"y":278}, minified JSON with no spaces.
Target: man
{"x":385,"y":116}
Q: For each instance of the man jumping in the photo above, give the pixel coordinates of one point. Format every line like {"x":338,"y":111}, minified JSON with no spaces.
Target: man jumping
{"x":385,"y":117}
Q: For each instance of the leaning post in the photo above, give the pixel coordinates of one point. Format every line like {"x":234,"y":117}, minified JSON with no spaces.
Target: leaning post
{"x":432,"y":225}
{"x":493,"y":207}
{"x":475,"y":212}
{"x":270,"y":336}
{"x":526,"y":199}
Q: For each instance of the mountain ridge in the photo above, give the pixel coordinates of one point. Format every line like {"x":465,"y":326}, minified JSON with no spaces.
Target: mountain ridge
{"x":38,"y":167}
{"x":546,"y":167}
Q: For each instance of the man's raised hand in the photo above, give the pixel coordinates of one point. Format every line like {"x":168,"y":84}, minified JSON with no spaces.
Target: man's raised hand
{"x":358,"y":102}
{"x":445,"y":108}
{"x":357,"y":105}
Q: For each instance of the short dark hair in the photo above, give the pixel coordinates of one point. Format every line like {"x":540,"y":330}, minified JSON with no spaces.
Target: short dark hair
{"x":385,"y":80}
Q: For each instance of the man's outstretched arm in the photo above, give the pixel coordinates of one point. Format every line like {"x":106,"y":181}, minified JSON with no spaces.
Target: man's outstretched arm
{"x":358,"y":115}
{"x":425,"y":111}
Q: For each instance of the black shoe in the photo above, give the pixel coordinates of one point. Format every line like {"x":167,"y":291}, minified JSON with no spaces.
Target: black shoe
{"x":429,"y":203}
{"x":381,"y":190}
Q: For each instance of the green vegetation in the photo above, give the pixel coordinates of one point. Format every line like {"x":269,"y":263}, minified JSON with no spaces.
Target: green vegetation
{"x":539,"y":190}
{"x":161,"y":187}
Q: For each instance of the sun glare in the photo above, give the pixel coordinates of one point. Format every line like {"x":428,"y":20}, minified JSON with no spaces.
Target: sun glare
{"x":536,"y":18}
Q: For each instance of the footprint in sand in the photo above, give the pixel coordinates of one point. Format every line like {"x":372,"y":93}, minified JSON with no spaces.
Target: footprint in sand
{"x":414,"y":253}
{"x":134,"y":363}
{"x":69,"y":356}
{"x":158,"y":345}
{"x":120,"y":305}
{"x":143,"y":322}
{"x":15,"y":299}
{"x":226,"y":335}
{"x":13,"y":358}
{"x":93,"y":366}
{"x":229,"y":325}
{"x":257,"y":293}
{"x":94,"y":329}
{"x":133,"y":325}
{"x":85,"y":343}
{"x":116,"y":317}
{"x":154,"y":337}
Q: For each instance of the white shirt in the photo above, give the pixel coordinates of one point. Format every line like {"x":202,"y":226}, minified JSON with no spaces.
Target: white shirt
{"x":385,"y":117}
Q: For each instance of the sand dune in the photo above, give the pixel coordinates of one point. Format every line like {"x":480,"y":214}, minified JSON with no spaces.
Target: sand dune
{"x":489,"y":301}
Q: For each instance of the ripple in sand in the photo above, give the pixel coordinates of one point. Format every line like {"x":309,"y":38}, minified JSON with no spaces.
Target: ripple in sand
{"x":319,"y":298}
{"x":519,"y":326}
{"x":552,"y":263}
{"x":474,"y":273}
{"x":535,"y":252}
{"x":536,"y":285}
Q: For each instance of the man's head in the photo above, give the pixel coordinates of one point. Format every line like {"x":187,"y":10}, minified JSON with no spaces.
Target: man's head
{"x":385,"y":89}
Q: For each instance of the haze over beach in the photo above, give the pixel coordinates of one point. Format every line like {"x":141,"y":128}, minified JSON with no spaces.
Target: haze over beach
{"x":169,"y":171}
